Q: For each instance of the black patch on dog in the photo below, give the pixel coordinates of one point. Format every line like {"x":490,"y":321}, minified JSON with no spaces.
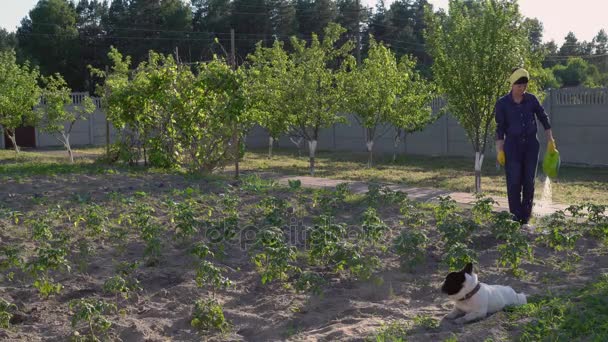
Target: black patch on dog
{"x":455,"y":280}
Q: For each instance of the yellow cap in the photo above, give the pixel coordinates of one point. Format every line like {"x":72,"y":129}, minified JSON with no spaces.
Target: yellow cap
{"x":517,"y":74}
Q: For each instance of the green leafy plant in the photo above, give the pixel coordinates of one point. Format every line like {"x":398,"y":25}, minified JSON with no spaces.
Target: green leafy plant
{"x":272,"y":256}
{"x":150,"y":231}
{"x":426,"y":321}
{"x":515,"y":247}
{"x":208,"y":315}
{"x":483,"y":209}
{"x":559,"y":234}
{"x":323,"y":239}
{"x":123,"y":286}
{"x":95,"y":218}
{"x":310,"y":281}
{"x":411,"y":246}
{"x":294,"y":184}
{"x":6,"y":310}
{"x":41,"y":229}
{"x":92,"y":312}
{"x":10,"y":260}
{"x":373,"y":228}
{"x":183,"y":216}
{"x":457,"y":255}
{"x":447,"y":206}
{"x":330,"y":200}
{"x":274,"y":210}
{"x":48,"y":258}
{"x":207,"y":274}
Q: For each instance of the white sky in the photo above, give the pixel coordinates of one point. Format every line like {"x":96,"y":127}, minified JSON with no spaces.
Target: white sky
{"x":584,"y":17}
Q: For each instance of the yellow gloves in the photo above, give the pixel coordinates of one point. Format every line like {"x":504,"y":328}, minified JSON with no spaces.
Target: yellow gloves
{"x":501,"y":157}
{"x":551,"y":148}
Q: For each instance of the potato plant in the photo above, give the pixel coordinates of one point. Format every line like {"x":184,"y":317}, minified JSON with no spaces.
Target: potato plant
{"x":208,"y":315}
{"x":410,"y":246}
{"x":272,"y":257}
{"x":91,"y":312}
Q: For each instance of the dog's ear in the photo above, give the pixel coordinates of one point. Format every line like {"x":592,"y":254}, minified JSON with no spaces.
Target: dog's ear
{"x":469,"y":268}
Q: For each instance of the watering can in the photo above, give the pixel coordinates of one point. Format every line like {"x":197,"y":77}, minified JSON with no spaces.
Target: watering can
{"x":551,"y":161}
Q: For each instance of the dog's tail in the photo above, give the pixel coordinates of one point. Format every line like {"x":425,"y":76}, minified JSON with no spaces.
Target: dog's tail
{"x":521,"y":299}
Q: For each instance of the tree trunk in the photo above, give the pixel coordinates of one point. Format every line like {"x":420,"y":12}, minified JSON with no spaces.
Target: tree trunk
{"x":370,"y":150}
{"x":478,"y":164}
{"x":66,"y":143}
{"x":312,"y":148}
{"x":396,"y":142}
{"x":270,"y":143}
{"x":298,"y":144}
{"x":13,"y":136}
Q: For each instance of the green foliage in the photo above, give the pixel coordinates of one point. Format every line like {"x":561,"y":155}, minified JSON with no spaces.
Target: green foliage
{"x":411,"y":246}
{"x":183,"y":216}
{"x":328,"y":247}
{"x":577,"y":316}
{"x":294,"y":184}
{"x":426,"y":321}
{"x":20,"y":95}
{"x":172,"y":116}
{"x":392,"y":332}
{"x":475,"y":46}
{"x":93,"y":312}
{"x":274,"y":210}
{"x":457,"y":255}
{"x":483,"y":209}
{"x":447,"y":206}
{"x":314,"y":89}
{"x":272,"y":256}
{"x":256,"y":184}
{"x":559,"y":233}
{"x":378,"y":194}
{"x":373,"y":228}
{"x":310,"y":281}
{"x":150,"y":231}
{"x":56,"y":94}
{"x":121,"y":285}
{"x":5,"y":313}
{"x":208,"y":315}
{"x":95,"y":218}
{"x":330,"y":200}
{"x":385,"y":91}
{"x":207,"y":274}
{"x":10,"y":259}
{"x":516,"y":245}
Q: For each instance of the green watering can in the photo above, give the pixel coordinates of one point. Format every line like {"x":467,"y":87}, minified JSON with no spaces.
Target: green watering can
{"x":551,"y":162}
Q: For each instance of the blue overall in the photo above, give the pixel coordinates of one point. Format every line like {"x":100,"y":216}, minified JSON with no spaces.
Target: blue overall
{"x":516,"y":125}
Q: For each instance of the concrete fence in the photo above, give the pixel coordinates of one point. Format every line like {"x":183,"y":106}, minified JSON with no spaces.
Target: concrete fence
{"x":579,"y":117}
{"x":91,"y":131}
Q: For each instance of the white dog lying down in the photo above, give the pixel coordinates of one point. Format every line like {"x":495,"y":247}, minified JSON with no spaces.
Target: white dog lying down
{"x":474,"y":300}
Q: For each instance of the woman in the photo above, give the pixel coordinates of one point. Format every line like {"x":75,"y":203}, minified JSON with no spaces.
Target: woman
{"x":517,"y":145}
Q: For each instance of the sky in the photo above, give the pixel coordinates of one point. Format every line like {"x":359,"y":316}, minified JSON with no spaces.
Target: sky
{"x":584,"y":17}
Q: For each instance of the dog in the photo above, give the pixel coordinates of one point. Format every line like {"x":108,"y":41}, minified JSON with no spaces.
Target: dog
{"x":474,"y":300}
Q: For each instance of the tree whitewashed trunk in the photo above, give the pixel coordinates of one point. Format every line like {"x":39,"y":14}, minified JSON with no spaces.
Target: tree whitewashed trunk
{"x":478,"y":164}
{"x":370,"y":151}
{"x":396,"y":142}
{"x":312,"y":148}
{"x":270,"y":143}
{"x":298,"y":143}
{"x":13,"y":137}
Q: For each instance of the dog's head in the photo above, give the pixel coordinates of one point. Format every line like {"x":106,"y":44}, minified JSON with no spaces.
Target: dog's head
{"x":461,"y":282}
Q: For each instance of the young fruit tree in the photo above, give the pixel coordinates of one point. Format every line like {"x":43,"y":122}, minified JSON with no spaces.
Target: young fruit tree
{"x":58,"y":118}
{"x":474,"y":47}
{"x":384,"y":92}
{"x":315,"y":85}
{"x":265,"y":87}
{"x":19,"y":95}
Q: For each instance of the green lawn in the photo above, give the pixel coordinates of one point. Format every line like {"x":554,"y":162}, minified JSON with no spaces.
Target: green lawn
{"x":574,"y":185}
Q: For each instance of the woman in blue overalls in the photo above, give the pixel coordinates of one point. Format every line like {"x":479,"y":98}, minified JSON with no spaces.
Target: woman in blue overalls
{"x":517,"y":145}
